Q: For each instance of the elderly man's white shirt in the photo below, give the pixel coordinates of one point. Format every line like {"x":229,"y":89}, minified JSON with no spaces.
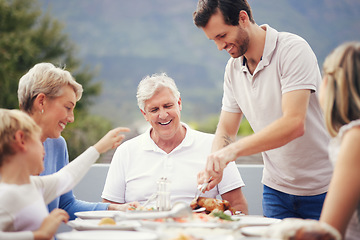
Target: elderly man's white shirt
{"x":139,"y":163}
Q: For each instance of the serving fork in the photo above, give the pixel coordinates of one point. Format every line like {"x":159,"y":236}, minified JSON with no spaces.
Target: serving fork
{"x":201,"y":188}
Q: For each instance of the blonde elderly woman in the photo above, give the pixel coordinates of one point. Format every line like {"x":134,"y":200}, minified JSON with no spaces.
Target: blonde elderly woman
{"x":340,"y":100}
{"x":49,"y":95}
{"x":168,"y":149}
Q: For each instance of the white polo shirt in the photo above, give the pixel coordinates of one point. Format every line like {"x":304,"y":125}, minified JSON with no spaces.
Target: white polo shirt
{"x":139,"y":163}
{"x":300,"y":167}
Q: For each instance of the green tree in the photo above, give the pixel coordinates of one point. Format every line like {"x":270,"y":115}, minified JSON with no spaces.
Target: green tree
{"x":27,"y":37}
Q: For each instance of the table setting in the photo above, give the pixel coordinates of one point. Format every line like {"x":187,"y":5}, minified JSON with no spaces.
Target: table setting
{"x":180,"y":222}
{"x":203,"y":219}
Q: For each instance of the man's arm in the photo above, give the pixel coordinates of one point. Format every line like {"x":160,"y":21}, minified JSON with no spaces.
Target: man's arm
{"x":282,"y":131}
{"x":226,"y":130}
{"x":225,"y":134}
{"x":237,"y":200}
{"x":288,"y":127}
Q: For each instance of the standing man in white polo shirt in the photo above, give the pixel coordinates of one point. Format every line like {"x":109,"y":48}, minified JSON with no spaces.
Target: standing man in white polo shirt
{"x":272,"y":78}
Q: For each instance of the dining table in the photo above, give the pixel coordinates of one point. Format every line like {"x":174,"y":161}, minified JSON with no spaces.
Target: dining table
{"x":179,"y":223}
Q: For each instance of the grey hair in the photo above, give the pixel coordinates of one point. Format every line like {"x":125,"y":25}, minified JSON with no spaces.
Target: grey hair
{"x":45,"y":78}
{"x":150,"y":84}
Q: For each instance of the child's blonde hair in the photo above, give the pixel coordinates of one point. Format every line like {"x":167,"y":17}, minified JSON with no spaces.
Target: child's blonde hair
{"x":342,"y":69}
{"x":10,"y":122}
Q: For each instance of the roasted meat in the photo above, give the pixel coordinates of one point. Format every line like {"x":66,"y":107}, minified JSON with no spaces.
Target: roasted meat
{"x":211,"y":204}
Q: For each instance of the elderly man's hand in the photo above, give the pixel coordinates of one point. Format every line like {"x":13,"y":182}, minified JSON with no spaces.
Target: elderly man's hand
{"x":123,"y":206}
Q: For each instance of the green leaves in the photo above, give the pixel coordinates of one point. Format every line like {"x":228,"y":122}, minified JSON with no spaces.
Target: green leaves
{"x":29,"y":36}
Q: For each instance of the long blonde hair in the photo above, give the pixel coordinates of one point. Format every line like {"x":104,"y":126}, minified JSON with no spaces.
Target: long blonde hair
{"x":342,"y":70}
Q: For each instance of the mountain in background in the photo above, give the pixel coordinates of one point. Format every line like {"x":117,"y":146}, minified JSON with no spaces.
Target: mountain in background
{"x":127,"y":40}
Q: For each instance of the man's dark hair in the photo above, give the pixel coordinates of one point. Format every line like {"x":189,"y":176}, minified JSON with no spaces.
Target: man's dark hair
{"x":230,"y":10}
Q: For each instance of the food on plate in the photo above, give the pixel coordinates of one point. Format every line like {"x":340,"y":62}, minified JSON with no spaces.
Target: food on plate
{"x":107,"y":221}
{"x":302,"y":229}
{"x":183,"y":236}
{"x":141,"y":208}
{"x":210,"y":204}
{"x":197,"y":226}
{"x":221,"y":215}
{"x":196,"y":218}
{"x":215,"y":216}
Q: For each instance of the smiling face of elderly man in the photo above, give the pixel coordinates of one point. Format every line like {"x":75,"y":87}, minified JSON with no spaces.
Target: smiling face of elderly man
{"x":162,"y":111}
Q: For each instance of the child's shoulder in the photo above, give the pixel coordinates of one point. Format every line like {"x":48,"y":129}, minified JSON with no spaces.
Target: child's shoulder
{"x":9,"y":192}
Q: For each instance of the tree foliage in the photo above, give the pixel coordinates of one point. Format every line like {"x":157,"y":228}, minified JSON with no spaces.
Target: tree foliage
{"x":27,"y":37}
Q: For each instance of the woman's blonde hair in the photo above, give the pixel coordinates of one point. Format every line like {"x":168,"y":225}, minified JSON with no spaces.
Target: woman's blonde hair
{"x":47,"y":79}
{"x":10,"y":122}
{"x":342,"y":70}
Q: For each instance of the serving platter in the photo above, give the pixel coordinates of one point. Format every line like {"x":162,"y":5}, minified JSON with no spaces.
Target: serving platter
{"x":107,"y":235}
{"x":254,"y":231}
{"x":169,"y":224}
{"x":195,"y":220}
{"x":93,"y":224}
{"x":110,"y":214}
{"x":202,"y":220}
{"x":254,"y":220}
{"x":97,"y":214}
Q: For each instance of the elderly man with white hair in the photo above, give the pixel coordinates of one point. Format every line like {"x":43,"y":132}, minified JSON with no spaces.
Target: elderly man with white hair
{"x":168,"y":149}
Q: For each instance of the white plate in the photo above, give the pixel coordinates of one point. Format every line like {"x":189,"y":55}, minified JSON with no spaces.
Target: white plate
{"x":111,"y":214}
{"x":253,"y":231}
{"x":196,"y":233}
{"x":106,"y":235}
{"x":96,"y":214}
{"x":248,"y":220}
{"x":239,"y":221}
{"x":154,"y":224}
{"x":93,"y":224}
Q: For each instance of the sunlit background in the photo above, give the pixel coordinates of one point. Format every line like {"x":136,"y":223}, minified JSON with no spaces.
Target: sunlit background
{"x":110,"y":45}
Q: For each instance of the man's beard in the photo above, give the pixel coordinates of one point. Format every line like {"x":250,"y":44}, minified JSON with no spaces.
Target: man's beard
{"x":242,"y":43}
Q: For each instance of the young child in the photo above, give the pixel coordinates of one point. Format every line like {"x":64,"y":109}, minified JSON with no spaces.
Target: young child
{"x":24,"y":196}
{"x":340,"y":100}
